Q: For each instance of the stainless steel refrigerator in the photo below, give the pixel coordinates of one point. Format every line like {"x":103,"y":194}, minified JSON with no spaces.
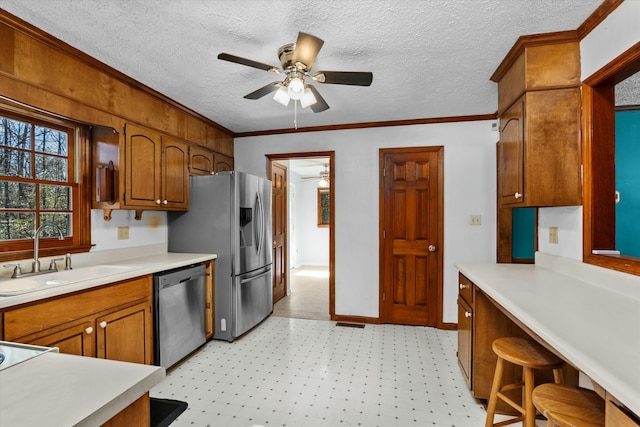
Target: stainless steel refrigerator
{"x":230,"y":215}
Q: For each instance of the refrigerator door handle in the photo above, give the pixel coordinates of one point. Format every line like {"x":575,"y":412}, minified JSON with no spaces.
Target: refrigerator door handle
{"x":249,"y":279}
{"x":261,"y":210}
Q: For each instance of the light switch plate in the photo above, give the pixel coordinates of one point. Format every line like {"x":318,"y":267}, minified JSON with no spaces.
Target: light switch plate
{"x":553,"y":234}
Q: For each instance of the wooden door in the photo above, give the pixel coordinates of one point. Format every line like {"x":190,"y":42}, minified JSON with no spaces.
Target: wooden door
{"x":175,"y":174}
{"x":142,"y":167}
{"x":411,"y":210}
{"x":125,"y":334}
{"x":279,"y":229}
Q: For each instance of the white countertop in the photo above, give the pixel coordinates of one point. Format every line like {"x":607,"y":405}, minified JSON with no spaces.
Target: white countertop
{"x":591,"y":318}
{"x":67,"y":390}
{"x":132,"y":267}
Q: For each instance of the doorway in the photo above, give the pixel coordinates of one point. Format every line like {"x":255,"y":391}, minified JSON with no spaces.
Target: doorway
{"x":411,"y":235}
{"x":305,"y":194}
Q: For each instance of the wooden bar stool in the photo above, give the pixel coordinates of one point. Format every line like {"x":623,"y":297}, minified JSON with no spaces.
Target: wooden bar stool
{"x":531,"y":356}
{"x":569,"y":406}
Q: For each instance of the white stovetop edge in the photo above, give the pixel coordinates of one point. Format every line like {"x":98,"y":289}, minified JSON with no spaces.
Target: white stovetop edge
{"x":612,"y":280}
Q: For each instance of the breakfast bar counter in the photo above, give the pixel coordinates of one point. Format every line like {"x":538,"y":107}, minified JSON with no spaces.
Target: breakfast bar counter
{"x":67,"y":390}
{"x":588,"y":315}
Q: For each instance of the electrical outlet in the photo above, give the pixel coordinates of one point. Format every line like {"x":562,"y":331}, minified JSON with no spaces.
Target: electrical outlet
{"x":553,"y":234}
{"x":475,"y":219}
{"x":123,"y":233}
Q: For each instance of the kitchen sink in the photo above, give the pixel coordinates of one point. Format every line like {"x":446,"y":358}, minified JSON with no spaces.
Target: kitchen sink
{"x":24,"y":285}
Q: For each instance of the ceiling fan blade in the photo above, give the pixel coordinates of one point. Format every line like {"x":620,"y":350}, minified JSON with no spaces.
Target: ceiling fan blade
{"x":247,"y":62}
{"x":265,"y":90}
{"x":320,"y":104}
{"x":307,"y":48}
{"x":354,"y":78}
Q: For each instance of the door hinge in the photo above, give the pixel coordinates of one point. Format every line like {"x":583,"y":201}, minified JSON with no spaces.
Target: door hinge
{"x":384,"y":234}
{"x":384,"y":171}
{"x":384,"y":296}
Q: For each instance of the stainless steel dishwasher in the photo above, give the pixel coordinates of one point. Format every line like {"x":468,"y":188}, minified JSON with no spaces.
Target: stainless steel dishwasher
{"x":179,"y":310}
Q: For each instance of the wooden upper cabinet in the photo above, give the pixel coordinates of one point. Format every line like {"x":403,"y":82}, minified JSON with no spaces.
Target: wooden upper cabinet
{"x":201,"y":161}
{"x":174,"y":173}
{"x":156,"y":174}
{"x":223,"y":163}
{"x":539,"y":155}
{"x":511,"y":154}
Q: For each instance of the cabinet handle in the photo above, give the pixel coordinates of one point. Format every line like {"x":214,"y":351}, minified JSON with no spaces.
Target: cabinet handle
{"x":103,"y":324}
{"x":165,"y":202}
{"x":89,"y":330}
{"x":463,"y":286}
{"x":517,"y":195}
{"x":158,"y":202}
{"x":467,"y":314}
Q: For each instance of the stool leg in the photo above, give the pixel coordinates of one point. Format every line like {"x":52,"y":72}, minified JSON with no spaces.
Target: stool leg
{"x":530,"y":410}
{"x":558,"y":376}
{"x":493,"y":398}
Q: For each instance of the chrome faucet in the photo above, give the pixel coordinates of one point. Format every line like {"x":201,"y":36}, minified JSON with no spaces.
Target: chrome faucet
{"x":35,"y":268}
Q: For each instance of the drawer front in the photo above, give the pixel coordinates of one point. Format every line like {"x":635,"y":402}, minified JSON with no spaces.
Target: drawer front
{"x":38,"y":317}
{"x":465,"y":289}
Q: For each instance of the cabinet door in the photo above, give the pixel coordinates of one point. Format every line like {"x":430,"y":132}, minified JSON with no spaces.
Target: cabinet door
{"x":465,"y":321}
{"x":200,"y":161}
{"x":511,"y":155}
{"x":223,"y":163}
{"x":175,"y":174}
{"x":79,"y":339}
{"x":126,"y":334}
{"x":142,"y":167}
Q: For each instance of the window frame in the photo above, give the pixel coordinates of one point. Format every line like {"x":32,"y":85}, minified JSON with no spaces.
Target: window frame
{"x":79,"y":178}
{"x":598,"y":109}
{"x":322,"y":209}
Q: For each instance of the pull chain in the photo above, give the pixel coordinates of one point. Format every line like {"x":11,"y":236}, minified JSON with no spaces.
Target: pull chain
{"x":295,"y":114}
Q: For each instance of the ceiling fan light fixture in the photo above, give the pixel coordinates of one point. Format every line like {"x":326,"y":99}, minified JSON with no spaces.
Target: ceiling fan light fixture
{"x":282,"y":96}
{"x":308,"y":98}
{"x":296,"y":88}
{"x":323,"y":183}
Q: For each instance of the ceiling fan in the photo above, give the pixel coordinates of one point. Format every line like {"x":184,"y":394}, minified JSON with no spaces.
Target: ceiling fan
{"x":323,"y":175}
{"x":296,"y":60}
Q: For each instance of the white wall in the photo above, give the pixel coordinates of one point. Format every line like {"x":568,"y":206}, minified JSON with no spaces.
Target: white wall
{"x":470,"y":188}
{"x":616,"y":34}
{"x":150,"y":230}
{"x":312,"y":242}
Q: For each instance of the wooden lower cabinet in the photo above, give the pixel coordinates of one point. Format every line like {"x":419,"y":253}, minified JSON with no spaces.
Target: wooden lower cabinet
{"x":465,"y":341}
{"x":78,"y":339}
{"x":124,"y":334}
{"x":138,"y":414}
{"x":113,"y":322}
{"x":476,"y":333}
{"x":617,"y":417}
{"x":209,"y":315}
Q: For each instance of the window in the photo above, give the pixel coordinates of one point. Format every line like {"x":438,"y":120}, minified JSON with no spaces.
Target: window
{"x":38,"y":185}
{"x":324,"y":207}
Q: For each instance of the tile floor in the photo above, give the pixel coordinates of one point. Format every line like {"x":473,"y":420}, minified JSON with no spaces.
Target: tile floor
{"x":302,"y":373}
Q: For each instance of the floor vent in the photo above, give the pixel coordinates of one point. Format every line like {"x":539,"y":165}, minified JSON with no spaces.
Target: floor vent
{"x":350,"y":325}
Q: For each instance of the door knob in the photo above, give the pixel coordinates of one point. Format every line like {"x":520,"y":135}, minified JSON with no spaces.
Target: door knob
{"x":103,"y":324}
{"x":157,"y":201}
{"x":89,"y":330}
{"x":517,"y":195}
{"x":432,"y":248}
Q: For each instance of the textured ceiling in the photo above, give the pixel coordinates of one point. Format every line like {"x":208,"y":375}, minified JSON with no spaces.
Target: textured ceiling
{"x":429,"y":58}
